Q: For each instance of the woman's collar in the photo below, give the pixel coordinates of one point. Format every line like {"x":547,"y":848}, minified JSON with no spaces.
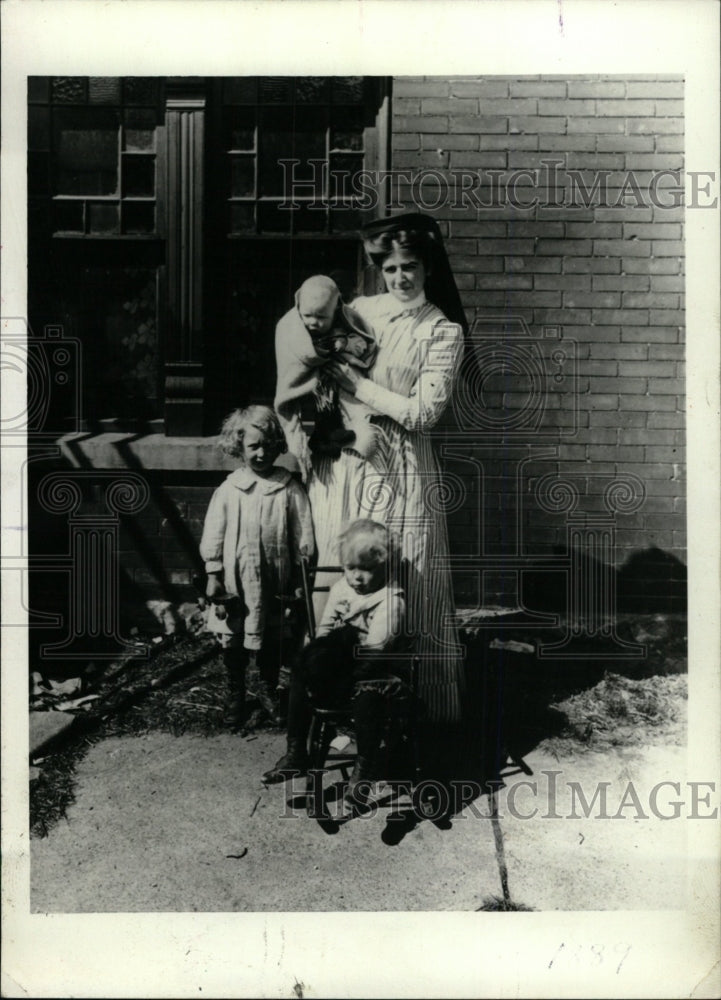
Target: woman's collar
{"x":393,"y":308}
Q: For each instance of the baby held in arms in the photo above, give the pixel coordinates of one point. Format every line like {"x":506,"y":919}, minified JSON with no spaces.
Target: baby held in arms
{"x":319,"y":330}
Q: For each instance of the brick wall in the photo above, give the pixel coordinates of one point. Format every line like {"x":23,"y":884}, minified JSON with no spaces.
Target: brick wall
{"x":609,"y":276}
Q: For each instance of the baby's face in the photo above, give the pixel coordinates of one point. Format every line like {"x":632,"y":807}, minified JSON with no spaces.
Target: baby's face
{"x":317,"y":312}
{"x":363,"y":577}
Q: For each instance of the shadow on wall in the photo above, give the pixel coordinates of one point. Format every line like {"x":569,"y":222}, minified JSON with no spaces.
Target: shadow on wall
{"x":650,"y":581}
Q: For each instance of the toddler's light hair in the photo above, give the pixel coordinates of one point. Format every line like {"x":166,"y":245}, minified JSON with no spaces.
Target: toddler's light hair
{"x":237,"y":423}
{"x":368,"y":543}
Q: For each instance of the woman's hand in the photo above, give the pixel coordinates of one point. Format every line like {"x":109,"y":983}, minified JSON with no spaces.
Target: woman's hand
{"x":346,"y":376}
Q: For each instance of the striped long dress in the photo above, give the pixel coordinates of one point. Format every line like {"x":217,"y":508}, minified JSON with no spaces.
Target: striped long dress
{"x":419,"y":354}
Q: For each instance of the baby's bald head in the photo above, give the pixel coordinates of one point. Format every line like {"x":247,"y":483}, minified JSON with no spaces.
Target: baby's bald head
{"x":317,"y":300}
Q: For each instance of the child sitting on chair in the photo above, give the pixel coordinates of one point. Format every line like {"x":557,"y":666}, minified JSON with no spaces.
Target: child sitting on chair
{"x":349,"y":659}
{"x":257,"y":530}
{"x":318,"y":330}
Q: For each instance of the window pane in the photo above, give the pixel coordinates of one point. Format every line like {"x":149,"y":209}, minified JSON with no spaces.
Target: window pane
{"x":138,"y":217}
{"x":239,"y":129}
{"x":242,"y":176}
{"x":342,"y":168}
{"x":139,"y":90}
{"x":347,"y":90}
{"x":104,"y":89}
{"x":68,"y":89}
{"x":242,"y":219}
{"x":307,"y":219}
{"x":283,"y":136}
{"x":68,"y":217}
{"x":240,"y":90}
{"x":38,"y":128}
{"x":103,"y":218}
{"x":139,"y":129}
{"x":272,"y":219}
{"x":312,"y":89}
{"x":138,"y":176}
{"x":343,"y":220}
{"x":275,"y":90}
{"x":38,"y":88}
{"x":347,"y":129}
{"x":86,"y":152}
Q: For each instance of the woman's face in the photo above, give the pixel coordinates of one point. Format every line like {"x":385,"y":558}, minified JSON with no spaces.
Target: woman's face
{"x":404,"y":275}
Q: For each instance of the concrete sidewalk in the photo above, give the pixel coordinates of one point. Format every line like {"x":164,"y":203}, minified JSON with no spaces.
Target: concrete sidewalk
{"x":164,"y":823}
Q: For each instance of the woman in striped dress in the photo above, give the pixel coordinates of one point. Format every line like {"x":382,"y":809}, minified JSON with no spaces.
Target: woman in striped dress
{"x":408,"y":388}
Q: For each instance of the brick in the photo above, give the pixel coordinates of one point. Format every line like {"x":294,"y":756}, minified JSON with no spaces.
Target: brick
{"x":625,"y":143}
{"x":535,"y":229}
{"x":407,"y":141}
{"x":666,"y":335}
{"x":655,"y":89}
{"x":447,"y":142}
{"x":646,"y":403}
{"x":621,"y":453}
{"x":509,"y":142}
{"x":595,"y":161}
{"x":448,"y":106}
{"x":624,"y":317}
{"x":670,"y":143}
{"x":621,"y":282}
{"x":528,"y":123}
{"x":464,"y":281}
{"x":565,"y":143}
{"x":667,"y":352}
{"x":483,"y":229}
{"x":486,"y":265}
{"x":597,"y":126}
{"x":460,"y":246}
{"x":545,"y":265}
{"x":667,"y":283}
{"x":640,"y":300}
{"x":667,"y":248}
{"x":475,"y":124}
{"x":667,"y":386}
{"x":571,"y":106}
{"x":644,"y":436}
{"x":654,"y":454}
{"x":567,"y":317}
{"x":580,"y":248}
{"x":595,"y":265}
{"x":651,"y":369}
{"x":594,"y":334}
{"x":594,"y":300}
{"x":406,"y":106}
{"x":404,"y":87}
{"x":594,"y":435}
{"x":619,"y":383}
{"x":595,"y":88}
{"x":626,"y":108}
{"x":655,"y":126}
{"x":599,"y":369}
{"x":593,"y":230}
{"x":653,"y":230}
{"x":479,"y":88}
{"x":615,"y":419}
{"x":509,"y":281}
{"x":654,"y":161}
{"x":629,"y":213}
{"x":426,"y":124}
{"x":669,"y":108}
{"x":662,"y":266}
{"x":581,"y":282}
{"x":487,"y":159}
{"x":600,"y":401}
{"x":537,"y":88}
{"x":620,"y":248}
{"x":513,"y":106}
{"x":509,"y":246}
{"x":667,"y":317}
{"x":622,"y":352}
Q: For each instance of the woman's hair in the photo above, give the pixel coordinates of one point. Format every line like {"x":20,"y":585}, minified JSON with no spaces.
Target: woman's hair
{"x":419,"y":242}
{"x":237,"y":423}
{"x":368,"y":542}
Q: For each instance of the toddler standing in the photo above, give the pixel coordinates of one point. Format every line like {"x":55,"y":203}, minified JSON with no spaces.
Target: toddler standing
{"x":257,"y":529}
